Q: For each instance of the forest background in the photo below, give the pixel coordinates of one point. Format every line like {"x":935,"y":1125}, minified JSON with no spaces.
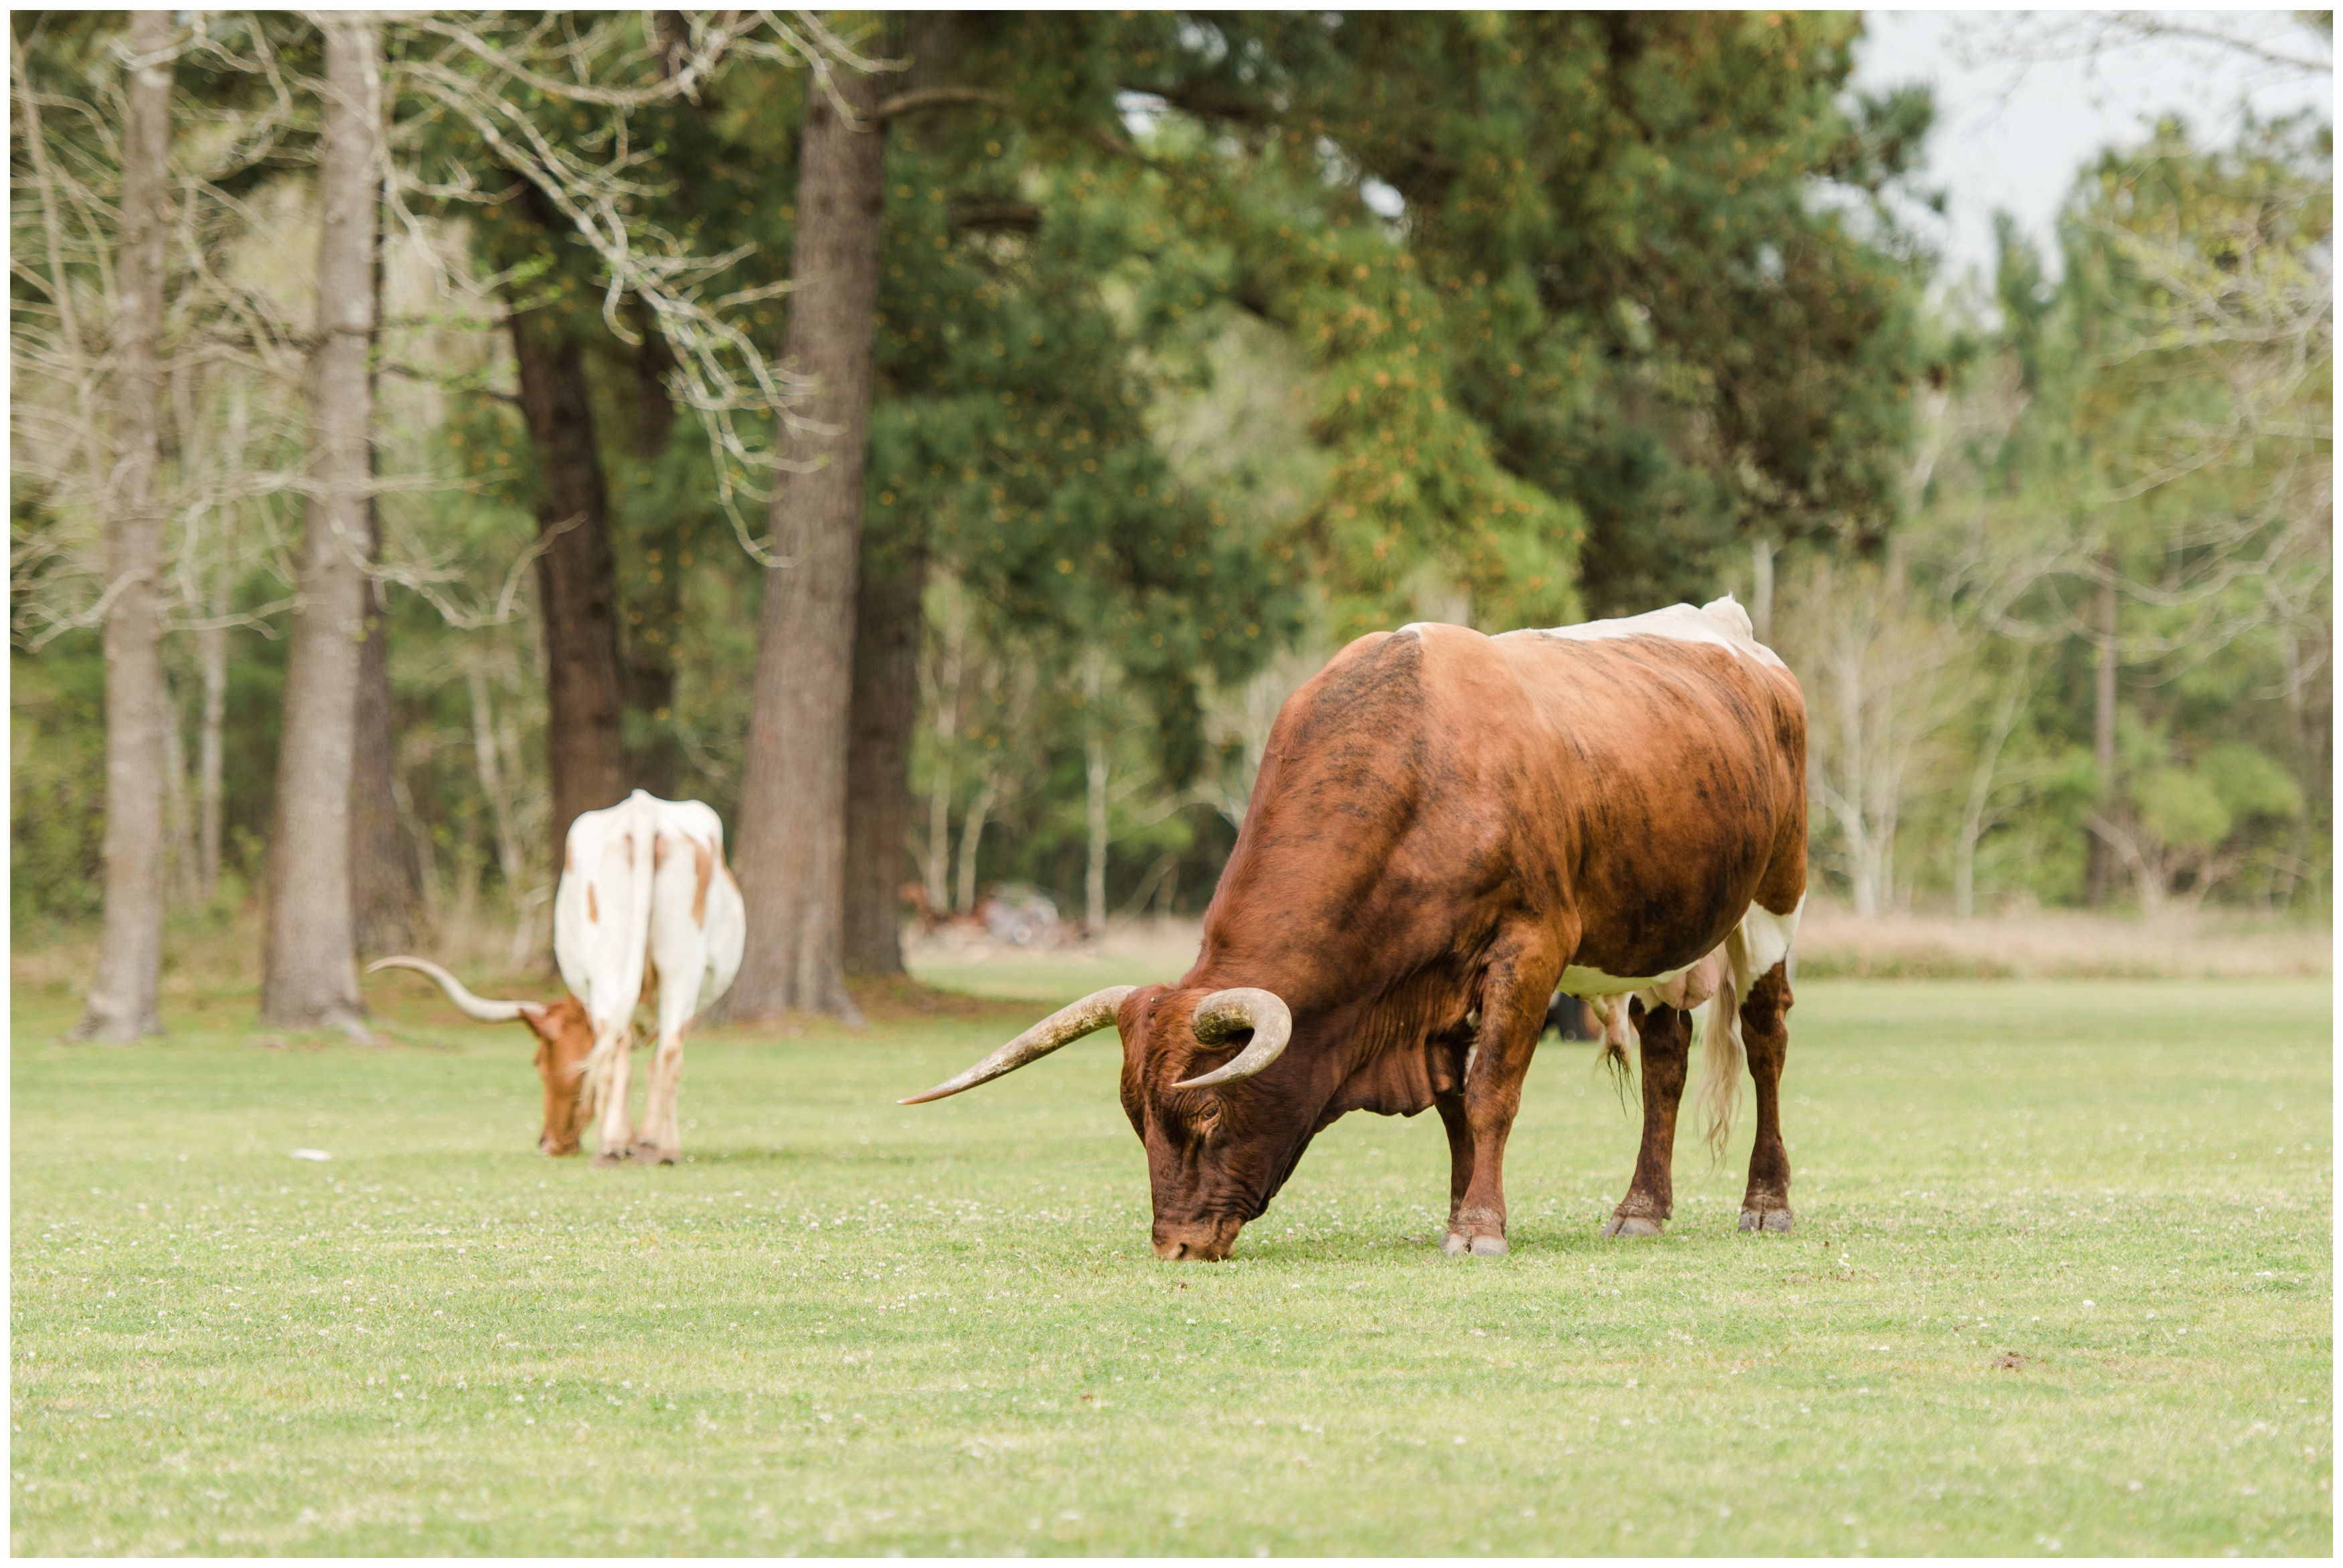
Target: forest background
{"x":1186,"y":347}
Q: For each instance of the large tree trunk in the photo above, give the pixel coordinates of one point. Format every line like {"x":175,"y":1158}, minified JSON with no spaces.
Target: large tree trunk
{"x":122,"y":996}
{"x":380,"y":895}
{"x":792,"y":833}
{"x":379,"y":892}
{"x":885,"y":710}
{"x":310,"y":974}
{"x":653,"y":759}
{"x":577,"y":588}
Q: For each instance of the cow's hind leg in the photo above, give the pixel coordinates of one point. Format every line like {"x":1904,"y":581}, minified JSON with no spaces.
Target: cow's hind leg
{"x":1766,"y":1035}
{"x":1667,"y":1034}
{"x":617,"y":1133}
{"x":1514,"y":994}
{"x":662,"y":1142}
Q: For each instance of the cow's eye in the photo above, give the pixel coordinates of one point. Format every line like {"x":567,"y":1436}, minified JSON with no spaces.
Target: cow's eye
{"x":1209,"y":1122}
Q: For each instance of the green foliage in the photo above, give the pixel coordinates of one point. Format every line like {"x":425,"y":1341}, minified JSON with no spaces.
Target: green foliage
{"x":2153,"y":419}
{"x":56,"y":795}
{"x":2182,"y":808}
{"x":1642,"y":304}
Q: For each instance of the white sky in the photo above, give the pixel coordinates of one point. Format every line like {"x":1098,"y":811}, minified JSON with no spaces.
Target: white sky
{"x":2021,"y":107}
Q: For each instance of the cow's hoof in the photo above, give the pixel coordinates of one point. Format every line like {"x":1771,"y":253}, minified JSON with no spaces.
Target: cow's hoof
{"x":1459,"y":1245}
{"x":1631,"y":1228}
{"x":1776,"y":1219}
{"x":651,"y":1154}
{"x":603,"y":1159}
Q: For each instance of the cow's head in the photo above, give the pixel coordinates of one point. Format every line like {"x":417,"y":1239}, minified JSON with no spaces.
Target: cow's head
{"x":1216,"y":1149}
{"x":565,"y":1038}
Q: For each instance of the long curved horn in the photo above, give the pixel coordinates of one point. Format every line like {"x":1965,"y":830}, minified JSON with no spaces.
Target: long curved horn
{"x":1069,"y":1023}
{"x":1222,"y":1013}
{"x":474,"y":1007}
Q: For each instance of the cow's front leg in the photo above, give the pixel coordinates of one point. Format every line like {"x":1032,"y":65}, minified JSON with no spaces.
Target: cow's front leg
{"x":1450,"y":1103}
{"x":1766,"y":1035}
{"x":1666,"y":1034}
{"x":1512,"y":1012}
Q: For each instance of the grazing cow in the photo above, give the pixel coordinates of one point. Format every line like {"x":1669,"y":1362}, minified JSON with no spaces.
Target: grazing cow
{"x":1448,"y":828}
{"x":644,"y":895}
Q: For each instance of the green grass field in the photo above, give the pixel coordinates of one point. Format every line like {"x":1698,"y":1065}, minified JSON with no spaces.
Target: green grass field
{"x":2061,"y":1283}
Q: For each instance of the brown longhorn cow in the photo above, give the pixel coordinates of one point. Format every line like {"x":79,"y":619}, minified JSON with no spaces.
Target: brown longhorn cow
{"x":1446,"y":828}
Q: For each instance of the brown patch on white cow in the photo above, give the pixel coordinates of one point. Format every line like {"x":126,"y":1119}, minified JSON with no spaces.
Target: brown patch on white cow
{"x":704,"y":867}
{"x":592,"y":913}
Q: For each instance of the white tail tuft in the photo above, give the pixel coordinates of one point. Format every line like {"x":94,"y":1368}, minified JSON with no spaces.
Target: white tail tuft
{"x":1720,"y":1078}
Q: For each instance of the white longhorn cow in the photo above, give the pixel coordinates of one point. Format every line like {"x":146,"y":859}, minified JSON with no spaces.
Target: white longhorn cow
{"x":645,"y":901}
{"x":644,"y":887}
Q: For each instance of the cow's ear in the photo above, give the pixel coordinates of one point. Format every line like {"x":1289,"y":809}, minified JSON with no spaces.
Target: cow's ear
{"x":533,"y":1015}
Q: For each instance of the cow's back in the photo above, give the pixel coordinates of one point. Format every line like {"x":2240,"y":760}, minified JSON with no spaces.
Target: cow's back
{"x":610,"y":882}
{"x":1636,"y":782}
{"x":1678,"y":746}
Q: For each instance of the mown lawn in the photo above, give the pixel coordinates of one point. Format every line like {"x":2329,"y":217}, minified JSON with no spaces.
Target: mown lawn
{"x":2061,"y":1282}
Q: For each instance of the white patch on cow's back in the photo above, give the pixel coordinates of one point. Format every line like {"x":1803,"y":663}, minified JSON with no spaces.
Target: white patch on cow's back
{"x":1721,"y":623}
{"x":1768,"y":935}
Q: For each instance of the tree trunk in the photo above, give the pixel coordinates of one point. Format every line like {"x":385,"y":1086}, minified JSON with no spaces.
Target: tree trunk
{"x":1094,"y":772}
{"x":972,"y":840}
{"x":949,"y":670}
{"x":122,"y":996}
{"x":884,"y":710}
{"x":1094,"y":874}
{"x":792,"y":834}
{"x":653,"y":759}
{"x":211,"y":654}
{"x":1761,"y":588}
{"x":577,"y":589}
{"x":211,"y":651}
{"x":178,"y":831}
{"x":309,"y":971}
{"x":492,"y":783}
{"x":380,"y":893}
{"x":2100,"y":867}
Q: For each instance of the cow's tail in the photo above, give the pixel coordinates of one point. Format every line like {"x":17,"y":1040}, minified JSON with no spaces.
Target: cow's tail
{"x":1618,"y":1033}
{"x":1720,"y":1078}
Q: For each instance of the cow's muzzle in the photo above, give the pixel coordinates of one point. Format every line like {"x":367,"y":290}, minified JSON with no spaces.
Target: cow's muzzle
{"x":1196,"y":1241}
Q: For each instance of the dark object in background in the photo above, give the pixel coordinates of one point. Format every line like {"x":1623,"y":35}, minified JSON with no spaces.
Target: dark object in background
{"x":1570,"y":1019}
